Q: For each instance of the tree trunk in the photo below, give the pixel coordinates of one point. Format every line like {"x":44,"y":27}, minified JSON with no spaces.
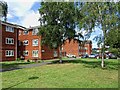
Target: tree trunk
{"x":102,"y":63}
{"x":103,"y":52}
{"x":60,"y":54}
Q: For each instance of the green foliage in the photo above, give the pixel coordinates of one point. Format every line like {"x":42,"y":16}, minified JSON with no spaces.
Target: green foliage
{"x":4,"y":9}
{"x":103,"y":14}
{"x":18,"y":59}
{"x":57,"y":22}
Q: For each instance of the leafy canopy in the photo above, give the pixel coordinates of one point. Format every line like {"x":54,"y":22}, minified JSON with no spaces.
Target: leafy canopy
{"x":57,"y":22}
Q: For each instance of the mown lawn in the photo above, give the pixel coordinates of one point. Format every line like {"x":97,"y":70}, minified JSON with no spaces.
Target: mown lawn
{"x":79,"y":73}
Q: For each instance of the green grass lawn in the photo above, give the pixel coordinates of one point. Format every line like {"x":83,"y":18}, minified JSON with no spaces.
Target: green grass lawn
{"x":79,"y":73}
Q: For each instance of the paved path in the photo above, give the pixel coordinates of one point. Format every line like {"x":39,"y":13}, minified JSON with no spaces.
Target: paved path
{"x":29,"y":65}
{"x":24,"y":66}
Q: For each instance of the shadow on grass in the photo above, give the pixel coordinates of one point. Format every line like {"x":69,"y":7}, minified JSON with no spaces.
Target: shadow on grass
{"x":12,"y":66}
{"x":30,"y":78}
{"x":91,"y":64}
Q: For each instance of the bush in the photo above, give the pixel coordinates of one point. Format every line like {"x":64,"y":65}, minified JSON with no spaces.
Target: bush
{"x":18,"y":59}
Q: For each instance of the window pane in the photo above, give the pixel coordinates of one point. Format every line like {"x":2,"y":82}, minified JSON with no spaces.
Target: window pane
{"x":35,"y":53}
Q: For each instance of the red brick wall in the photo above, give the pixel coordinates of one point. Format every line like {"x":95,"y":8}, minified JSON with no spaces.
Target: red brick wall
{"x":75,"y":48}
{"x":85,"y":49}
{"x":89,"y":48}
{"x":8,"y":46}
{"x":71,"y":47}
{"x":0,"y":41}
{"x":48,"y":54}
{"x":28,"y":47}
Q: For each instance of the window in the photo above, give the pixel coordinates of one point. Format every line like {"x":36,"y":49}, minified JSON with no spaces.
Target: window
{"x":35,"y":31}
{"x":9,"y":53}
{"x":25,"y":42}
{"x":35,"y":42}
{"x":9,"y":29}
{"x":25,"y":32}
{"x":9,"y":41}
{"x":86,"y":48}
{"x":35,"y":53}
{"x":25,"y":53}
{"x":55,"y":54}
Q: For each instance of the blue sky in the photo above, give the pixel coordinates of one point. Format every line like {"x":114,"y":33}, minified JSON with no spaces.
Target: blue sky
{"x":26,"y":13}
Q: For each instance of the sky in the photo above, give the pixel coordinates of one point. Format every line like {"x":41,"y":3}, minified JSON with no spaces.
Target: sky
{"x":26,"y":13}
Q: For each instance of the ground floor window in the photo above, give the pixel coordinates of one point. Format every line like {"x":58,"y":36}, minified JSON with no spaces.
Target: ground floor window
{"x":9,"y":53}
{"x":25,"y":53}
{"x":35,"y":53}
{"x":55,"y":54}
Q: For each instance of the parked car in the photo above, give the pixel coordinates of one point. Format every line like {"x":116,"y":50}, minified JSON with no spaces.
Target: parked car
{"x":112,"y":56}
{"x":100,"y":56}
{"x":85,"y":56}
{"x":92,"y":55}
{"x":71,"y":56}
{"x":107,"y":56}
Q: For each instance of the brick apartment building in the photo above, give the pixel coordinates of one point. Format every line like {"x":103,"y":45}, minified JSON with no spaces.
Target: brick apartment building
{"x":30,"y":45}
{"x":8,"y":39}
{"x":17,"y":41}
{"x":76,"y":47}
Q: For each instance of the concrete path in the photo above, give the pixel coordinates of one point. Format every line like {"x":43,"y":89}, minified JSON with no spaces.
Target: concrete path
{"x":25,"y":66}
{"x":29,"y":65}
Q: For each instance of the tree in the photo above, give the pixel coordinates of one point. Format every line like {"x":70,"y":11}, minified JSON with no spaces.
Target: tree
{"x":3,"y":10}
{"x":58,"y":21}
{"x":98,"y":14}
{"x":114,"y":42}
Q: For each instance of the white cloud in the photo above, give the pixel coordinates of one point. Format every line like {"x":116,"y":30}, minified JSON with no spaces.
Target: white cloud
{"x":30,"y":19}
{"x":9,"y":16}
{"x":19,"y":7}
{"x":22,"y":10}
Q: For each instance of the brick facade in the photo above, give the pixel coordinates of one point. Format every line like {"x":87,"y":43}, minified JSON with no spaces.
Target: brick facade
{"x":44,"y":52}
{"x":4,"y":46}
{"x":28,"y":45}
{"x":77,"y":48}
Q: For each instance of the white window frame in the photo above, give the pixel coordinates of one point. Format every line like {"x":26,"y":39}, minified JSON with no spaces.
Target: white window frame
{"x":7,"y":40}
{"x":55,"y":53}
{"x":35,"y":51}
{"x":33,"y":44}
{"x":9,"y":29}
{"x":25,"y":41}
{"x":9,"y":53}
{"x":25,"y":33}
{"x":35,"y":31}
{"x":25,"y":52}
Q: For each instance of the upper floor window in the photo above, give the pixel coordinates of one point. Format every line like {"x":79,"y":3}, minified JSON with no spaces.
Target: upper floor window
{"x":9,"y":53}
{"x":35,"y":31}
{"x":9,"y":41}
{"x":35,"y":42}
{"x":25,"y":32}
{"x":25,"y":42}
{"x":25,"y":53}
{"x":9,"y":29}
